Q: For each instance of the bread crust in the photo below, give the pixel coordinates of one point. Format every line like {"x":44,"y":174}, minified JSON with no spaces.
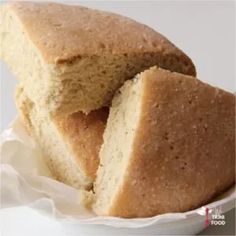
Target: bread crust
{"x":64,"y":34}
{"x":184,"y":147}
{"x":83,"y":136}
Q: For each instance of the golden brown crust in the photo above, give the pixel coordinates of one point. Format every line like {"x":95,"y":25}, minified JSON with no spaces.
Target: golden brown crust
{"x":64,"y":33}
{"x":83,"y":136}
{"x":184,"y":148}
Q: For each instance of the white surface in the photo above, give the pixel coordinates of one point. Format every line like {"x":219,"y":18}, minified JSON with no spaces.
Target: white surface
{"x":204,"y":30}
{"x":26,"y":222}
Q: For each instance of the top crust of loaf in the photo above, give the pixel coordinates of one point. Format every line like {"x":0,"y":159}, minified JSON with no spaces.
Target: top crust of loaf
{"x":64,"y":33}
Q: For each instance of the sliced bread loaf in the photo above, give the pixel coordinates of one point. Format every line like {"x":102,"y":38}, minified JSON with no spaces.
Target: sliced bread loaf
{"x":169,"y":146}
{"x":72,"y":58}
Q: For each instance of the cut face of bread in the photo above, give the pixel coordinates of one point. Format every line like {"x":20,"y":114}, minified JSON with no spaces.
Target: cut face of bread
{"x":168,"y":146}
{"x":70,"y":145}
{"x":72,"y":58}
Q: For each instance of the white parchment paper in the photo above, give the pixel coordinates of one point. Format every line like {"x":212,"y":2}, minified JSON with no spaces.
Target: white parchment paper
{"x":25,"y":180}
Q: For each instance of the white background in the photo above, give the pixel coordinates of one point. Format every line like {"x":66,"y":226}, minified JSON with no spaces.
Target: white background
{"x":205,"y":30}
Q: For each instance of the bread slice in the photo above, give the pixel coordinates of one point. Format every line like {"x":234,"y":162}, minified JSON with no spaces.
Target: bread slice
{"x":169,"y":146}
{"x":70,"y":145}
{"x":72,"y":58}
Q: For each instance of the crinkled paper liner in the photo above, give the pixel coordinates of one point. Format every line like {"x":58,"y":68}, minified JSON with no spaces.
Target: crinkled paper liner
{"x":26,"y":181}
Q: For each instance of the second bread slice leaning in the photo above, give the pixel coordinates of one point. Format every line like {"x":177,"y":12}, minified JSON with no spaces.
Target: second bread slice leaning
{"x":69,"y":144}
{"x":167,"y":140}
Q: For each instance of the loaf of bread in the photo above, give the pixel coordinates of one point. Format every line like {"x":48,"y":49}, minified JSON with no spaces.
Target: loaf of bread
{"x":169,"y":146}
{"x":72,"y":58}
{"x":70,"y":145}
